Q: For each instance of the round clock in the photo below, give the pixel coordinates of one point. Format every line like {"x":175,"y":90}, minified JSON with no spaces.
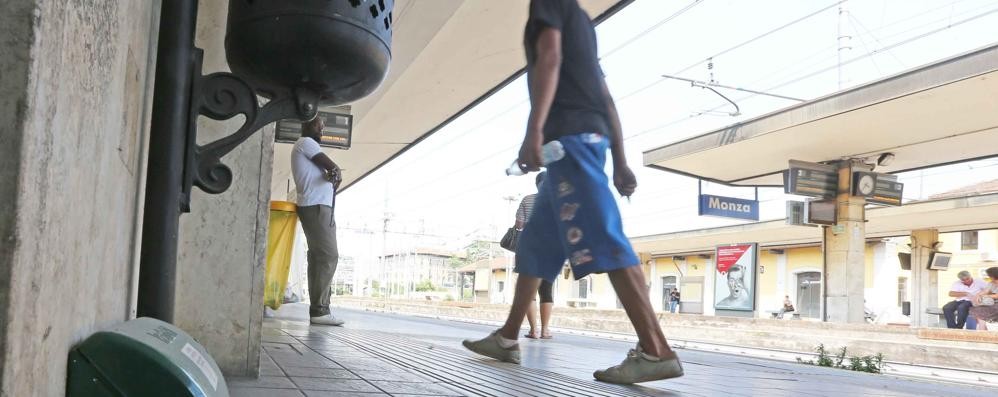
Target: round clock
{"x":866,"y":185}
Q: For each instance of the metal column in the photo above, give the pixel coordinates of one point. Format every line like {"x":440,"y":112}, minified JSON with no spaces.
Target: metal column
{"x":167,"y":149}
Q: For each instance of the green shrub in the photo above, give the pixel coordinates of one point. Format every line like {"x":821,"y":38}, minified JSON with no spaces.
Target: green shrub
{"x":871,"y":364}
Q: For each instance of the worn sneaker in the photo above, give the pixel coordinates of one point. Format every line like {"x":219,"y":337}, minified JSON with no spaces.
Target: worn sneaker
{"x":327,"y":319}
{"x":639,"y":367}
{"x":491,"y":346}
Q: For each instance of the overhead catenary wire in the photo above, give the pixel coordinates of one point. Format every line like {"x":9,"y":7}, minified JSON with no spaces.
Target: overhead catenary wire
{"x":728,"y":50}
{"x":826,"y":69}
{"x":651,"y":29}
{"x":759,"y":37}
{"x":698,"y":83}
{"x":882,"y":49}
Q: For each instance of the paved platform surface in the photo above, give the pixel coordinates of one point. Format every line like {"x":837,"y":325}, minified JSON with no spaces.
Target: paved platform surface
{"x":394,"y":355}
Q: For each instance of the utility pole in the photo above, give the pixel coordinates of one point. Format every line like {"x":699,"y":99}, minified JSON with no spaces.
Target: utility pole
{"x":384,"y":251}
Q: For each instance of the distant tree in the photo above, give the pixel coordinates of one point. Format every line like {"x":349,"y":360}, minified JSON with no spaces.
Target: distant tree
{"x":481,"y":249}
{"x":425,"y":286}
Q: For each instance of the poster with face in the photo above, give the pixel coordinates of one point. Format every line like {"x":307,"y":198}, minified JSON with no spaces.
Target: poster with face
{"x":734,"y":288}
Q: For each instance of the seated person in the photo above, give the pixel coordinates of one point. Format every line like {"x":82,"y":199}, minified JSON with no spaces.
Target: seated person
{"x":788,"y":307}
{"x":963,"y":290}
{"x":985,"y":310}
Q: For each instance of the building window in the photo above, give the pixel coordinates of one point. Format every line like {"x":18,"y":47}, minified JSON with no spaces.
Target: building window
{"x":584,"y":288}
{"x":809,"y":294}
{"x":968,"y":240}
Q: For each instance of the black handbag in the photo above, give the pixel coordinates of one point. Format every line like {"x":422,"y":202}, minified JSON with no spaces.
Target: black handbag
{"x":509,"y":239}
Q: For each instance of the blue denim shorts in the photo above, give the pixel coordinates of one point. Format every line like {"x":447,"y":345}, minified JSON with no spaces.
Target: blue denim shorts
{"x":575,"y":216}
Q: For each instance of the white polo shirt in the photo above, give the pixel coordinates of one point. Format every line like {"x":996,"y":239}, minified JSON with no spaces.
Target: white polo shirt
{"x":973,"y":289}
{"x":310,"y":179}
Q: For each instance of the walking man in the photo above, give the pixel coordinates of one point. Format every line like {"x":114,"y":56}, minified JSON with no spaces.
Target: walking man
{"x":575,"y":214}
{"x":316,"y":179}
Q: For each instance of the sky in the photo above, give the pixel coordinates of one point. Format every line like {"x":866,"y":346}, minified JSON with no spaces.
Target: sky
{"x":451,"y":188}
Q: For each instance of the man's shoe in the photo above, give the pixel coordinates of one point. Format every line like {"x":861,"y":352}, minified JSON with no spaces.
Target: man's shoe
{"x":639,"y":367}
{"x":491,"y":346}
{"x":328,"y":319}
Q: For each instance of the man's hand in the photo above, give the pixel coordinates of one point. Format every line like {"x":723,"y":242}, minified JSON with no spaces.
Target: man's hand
{"x":530,"y":152}
{"x":624,"y":180}
{"x":335,"y":176}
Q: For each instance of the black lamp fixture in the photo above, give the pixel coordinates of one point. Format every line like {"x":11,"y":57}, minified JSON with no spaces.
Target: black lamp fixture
{"x":298,"y":55}
{"x":885,"y":159}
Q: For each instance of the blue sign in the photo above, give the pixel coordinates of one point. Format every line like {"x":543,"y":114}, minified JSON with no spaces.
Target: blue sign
{"x":729,"y":207}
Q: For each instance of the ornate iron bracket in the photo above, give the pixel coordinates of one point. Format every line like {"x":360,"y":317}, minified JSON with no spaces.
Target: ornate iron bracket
{"x":221,"y":96}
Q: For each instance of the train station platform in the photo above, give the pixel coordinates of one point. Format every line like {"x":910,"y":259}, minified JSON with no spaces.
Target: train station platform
{"x":378,"y":354}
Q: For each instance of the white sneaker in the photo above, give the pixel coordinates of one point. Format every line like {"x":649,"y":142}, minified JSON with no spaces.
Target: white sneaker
{"x":490,"y":346}
{"x":639,"y":367}
{"x":328,"y":319}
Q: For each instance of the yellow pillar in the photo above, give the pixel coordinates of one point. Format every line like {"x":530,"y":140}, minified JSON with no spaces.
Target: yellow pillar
{"x":845,"y":254}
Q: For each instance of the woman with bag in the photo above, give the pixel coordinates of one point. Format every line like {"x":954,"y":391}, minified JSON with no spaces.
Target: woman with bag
{"x":984,"y":309}
{"x":545,"y":289}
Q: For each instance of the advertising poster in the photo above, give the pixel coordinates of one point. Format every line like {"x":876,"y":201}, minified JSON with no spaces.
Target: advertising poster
{"x":734,"y":288}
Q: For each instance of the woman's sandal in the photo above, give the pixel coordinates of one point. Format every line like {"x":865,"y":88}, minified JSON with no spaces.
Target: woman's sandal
{"x":530,"y":335}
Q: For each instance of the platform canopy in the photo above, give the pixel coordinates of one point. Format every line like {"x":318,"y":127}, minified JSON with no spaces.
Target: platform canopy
{"x":937,"y":114}
{"x":447,"y":56}
{"x":945,"y":215}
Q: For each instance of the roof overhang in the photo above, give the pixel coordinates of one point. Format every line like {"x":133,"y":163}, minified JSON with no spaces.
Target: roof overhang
{"x":937,"y":114}
{"x":948,"y":215}
{"x":447,"y":56}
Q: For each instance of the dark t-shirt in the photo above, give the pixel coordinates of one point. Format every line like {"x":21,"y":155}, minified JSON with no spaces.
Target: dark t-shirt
{"x":579,"y":105}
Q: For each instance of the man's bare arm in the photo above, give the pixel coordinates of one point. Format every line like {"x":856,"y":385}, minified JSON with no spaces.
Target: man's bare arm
{"x":616,"y":131}
{"x":955,"y":294}
{"x":546,"y":71}
{"x":324,"y":162}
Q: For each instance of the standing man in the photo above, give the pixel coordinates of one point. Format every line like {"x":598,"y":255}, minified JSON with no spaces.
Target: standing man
{"x":674,"y":298}
{"x":575,"y":214}
{"x":317,"y":178}
{"x":963,"y":290}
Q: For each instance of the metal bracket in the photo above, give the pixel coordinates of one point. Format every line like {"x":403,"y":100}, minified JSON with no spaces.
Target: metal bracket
{"x":221,"y":96}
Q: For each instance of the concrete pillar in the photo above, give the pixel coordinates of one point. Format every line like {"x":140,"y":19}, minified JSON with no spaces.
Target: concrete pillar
{"x":75,"y":99}
{"x":223,"y":241}
{"x":708,"y":287}
{"x":655,"y":285}
{"x":924,"y":282}
{"x":781,"y":278}
{"x":845,"y":256}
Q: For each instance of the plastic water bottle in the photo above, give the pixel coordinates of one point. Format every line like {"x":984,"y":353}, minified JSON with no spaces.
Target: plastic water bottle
{"x":550,"y":152}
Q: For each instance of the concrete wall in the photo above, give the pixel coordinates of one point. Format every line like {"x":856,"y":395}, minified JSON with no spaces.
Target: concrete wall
{"x":223,"y":240}
{"x":75,"y":96}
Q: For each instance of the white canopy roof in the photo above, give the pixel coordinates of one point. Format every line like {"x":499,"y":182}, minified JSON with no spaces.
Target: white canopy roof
{"x":946,"y":215}
{"x":936,"y":114}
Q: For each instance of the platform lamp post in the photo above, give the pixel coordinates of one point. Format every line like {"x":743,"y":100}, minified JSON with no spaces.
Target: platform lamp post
{"x":298,"y":55}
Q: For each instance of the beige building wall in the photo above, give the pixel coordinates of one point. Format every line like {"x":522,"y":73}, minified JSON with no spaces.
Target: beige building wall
{"x":75,"y":99}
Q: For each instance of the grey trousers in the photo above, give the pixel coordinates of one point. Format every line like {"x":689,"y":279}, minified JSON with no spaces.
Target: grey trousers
{"x":320,"y":233}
